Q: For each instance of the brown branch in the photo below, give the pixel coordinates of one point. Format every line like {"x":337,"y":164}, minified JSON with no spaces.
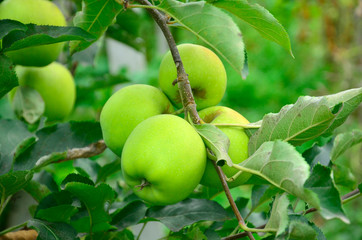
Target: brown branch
{"x":22,"y":234}
{"x":183,"y":82}
{"x":230,"y":198}
{"x":86,"y":152}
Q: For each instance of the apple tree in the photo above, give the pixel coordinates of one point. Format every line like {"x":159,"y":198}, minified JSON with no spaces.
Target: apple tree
{"x":102,"y":153}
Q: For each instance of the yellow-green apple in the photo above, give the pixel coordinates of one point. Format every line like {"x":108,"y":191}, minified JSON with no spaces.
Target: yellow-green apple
{"x":40,"y":12}
{"x":126,"y":108}
{"x":163,"y":159}
{"x":54,"y":83}
{"x":238,"y":150}
{"x":206,"y":74}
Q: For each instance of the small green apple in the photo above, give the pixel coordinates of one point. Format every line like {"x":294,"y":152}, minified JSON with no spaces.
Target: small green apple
{"x":126,"y":108}
{"x":54,"y":83}
{"x":40,"y":12}
{"x":206,"y":74}
{"x":238,"y":150}
{"x":163,"y":159}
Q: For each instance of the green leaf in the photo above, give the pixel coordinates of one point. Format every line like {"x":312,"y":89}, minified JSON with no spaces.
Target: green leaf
{"x":319,"y":154}
{"x":212,"y":26}
{"x":320,"y":182}
{"x":95,"y":18}
{"x":278,"y":220}
{"x":301,"y":231}
{"x":37,"y":190}
{"x":12,"y":182}
{"x":108,"y":169}
{"x":343,"y":176}
{"x":302,"y":219}
{"x":261,"y":194}
{"x":259,"y":18}
{"x":14,"y":136}
{"x":73,"y":177}
{"x":344,"y":141}
{"x":280,"y":164}
{"x":186,"y":212}
{"x":49,"y":148}
{"x":350,"y":99}
{"x":28,"y":104}
{"x":52,"y":231}
{"x":57,"y":207}
{"x":45,"y":178}
{"x":129,"y":215}
{"x":307,"y":119}
{"x":216,"y":141}
{"x":94,"y":198}
{"x":8,"y":78}
{"x":37,"y":35}
{"x":7,"y":26}
{"x":122,"y":235}
{"x":61,"y":213}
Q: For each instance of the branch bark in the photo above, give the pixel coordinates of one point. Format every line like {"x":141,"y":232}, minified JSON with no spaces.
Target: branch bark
{"x":183,"y":82}
{"x":230,"y":198}
{"x":86,"y":152}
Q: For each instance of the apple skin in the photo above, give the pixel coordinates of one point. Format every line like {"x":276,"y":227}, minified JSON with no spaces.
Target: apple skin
{"x":126,"y":108}
{"x":168,"y":153}
{"x":40,"y":12}
{"x":238,"y":150}
{"x":205,"y":71}
{"x":54,"y":83}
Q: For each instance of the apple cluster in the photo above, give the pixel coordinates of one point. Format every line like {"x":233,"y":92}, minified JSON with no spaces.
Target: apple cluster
{"x":35,"y":65}
{"x":163,"y":158}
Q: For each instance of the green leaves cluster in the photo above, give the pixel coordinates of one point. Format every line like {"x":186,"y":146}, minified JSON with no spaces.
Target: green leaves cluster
{"x":15,"y":35}
{"x":274,"y":159}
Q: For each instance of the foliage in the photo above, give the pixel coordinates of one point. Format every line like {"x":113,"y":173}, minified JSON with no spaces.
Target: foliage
{"x":302,"y":157}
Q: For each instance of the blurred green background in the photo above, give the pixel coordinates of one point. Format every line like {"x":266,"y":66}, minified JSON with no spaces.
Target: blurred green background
{"x":326,"y":39}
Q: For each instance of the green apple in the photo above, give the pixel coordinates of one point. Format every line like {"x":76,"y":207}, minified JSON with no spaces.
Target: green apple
{"x":55,"y":85}
{"x":163,"y":159}
{"x":126,"y":108}
{"x":40,"y":12}
{"x":206,"y":74}
{"x":238,"y":150}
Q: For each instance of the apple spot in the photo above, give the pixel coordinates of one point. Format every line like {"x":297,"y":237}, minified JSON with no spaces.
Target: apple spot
{"x":199,"y":92}
{"x":211,"y":117}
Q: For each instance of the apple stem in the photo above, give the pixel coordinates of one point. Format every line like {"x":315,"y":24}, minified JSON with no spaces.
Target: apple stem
{"x":179,"y":111}
{"x":144,"y":184}
{"x":234,"y":177}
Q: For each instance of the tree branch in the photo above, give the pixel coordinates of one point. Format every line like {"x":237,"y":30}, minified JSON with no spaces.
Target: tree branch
{"x":86,"y":152}
{"x":183,"y":82}
{"x":230,"y":198}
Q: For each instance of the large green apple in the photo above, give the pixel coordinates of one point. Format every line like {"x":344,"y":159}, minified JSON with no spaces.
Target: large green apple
{"x":40,"y":12}
{"x":206,"y":73}
{"x":238,"y":150}
{"x":163,"y":159}
{"x":126,"y":108}
{"x":54,"y":83}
